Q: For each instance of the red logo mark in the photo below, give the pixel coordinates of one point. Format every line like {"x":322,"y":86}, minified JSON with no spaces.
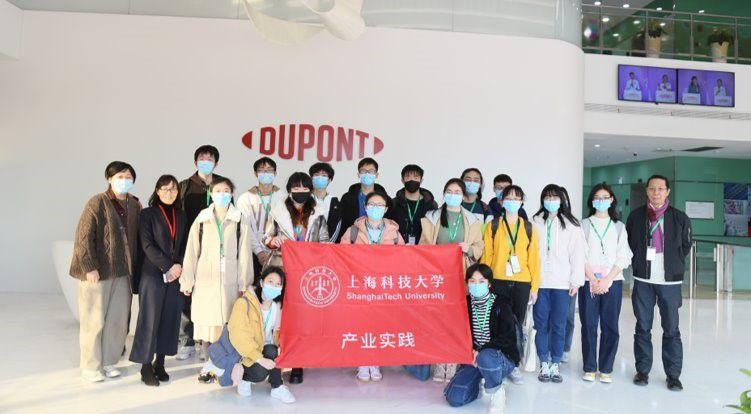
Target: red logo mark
{"x":320,"y":286}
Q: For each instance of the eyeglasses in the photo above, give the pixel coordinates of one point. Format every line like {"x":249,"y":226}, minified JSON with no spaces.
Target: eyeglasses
{"x":603,"y":198}
{"x":372,"y":171}
{"x":168,"y":190}
{"x":376,"y":205}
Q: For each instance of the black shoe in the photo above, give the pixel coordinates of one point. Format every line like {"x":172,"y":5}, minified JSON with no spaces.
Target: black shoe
{"x":641,"y":379}
{"x":674,"y":384}
{"x":147,"y":376}
{"x":295,"y":377}
{"x":206,"y":378}
{"x":160,"y":373}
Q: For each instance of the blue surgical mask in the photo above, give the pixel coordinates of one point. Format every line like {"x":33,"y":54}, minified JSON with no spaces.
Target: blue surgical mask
{"x":375,"y":213}
{"x":552,"y":205}
{"x":602,"y":205}
{"x":320,"y":182}
{"x":452,"y":200}
{"x":499,"y":194}
{"x":271,"y":292}
{"x":472,"y":186}
{"x":367,"y":179}
{"x":478,"y":290}
{"x":266,"y":178}
{"x":512,"y":206}
{"x":121,"y":185}
{"x":205,"y":167}
{"x":221,"y":199}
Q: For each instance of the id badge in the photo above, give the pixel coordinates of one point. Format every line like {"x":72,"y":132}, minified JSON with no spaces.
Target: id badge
{"x":411,"y":241}
{"x":605,"y":261}
{"x":515,"y":265}
{"x":547,"y":265}
{"x":165,"y":278}
{"x":509,"y":270}
{"x":222,"y":264}
{"x":651,"y":254}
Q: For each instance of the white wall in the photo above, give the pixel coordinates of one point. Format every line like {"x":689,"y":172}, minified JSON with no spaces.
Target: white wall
{"x":94,"y":88}
{"x":11,"y":21}
{"x":601,"y":78}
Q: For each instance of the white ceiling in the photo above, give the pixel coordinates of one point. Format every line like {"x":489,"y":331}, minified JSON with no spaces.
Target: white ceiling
{"x":615,"y":149}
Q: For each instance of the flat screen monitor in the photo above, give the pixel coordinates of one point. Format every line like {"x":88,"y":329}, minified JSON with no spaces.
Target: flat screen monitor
{"x":706,"y":87}
{"x":647,"y":84}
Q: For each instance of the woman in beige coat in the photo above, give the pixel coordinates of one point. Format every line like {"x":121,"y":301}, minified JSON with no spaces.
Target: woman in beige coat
{"x":452,"y":224}
{"x":218,"y":266}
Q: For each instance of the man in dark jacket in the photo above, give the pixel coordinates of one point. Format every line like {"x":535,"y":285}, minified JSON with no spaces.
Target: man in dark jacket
{"x":660,"y":238}
{"x":353,"y":201}
{"x":500,"y":182}
{"x":411,"y":203}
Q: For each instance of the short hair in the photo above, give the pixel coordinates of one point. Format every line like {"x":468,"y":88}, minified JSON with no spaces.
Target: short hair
{"x":381,"y":194}
{"x":659,"y":177}
{"x":502,"y":178}
{"x":299,"y":179}
{"x":367,"y":161}
{"x":216,"y":181}
{"x":322,"y":167}
{"x":206,"y":149}
{"x":165,"y":180}
{"x":513,"y":189}
{"x":117,"y":167}
{"x":412,"y":168}
{"x":264,"y":160}
{"x":484,"y":270}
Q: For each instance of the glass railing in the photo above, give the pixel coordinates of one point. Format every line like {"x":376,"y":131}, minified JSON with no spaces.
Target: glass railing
{"x":667,"y":34}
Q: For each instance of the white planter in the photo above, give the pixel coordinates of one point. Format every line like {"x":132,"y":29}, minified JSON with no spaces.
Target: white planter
{"x":653,"y":45}
{"x":62,"y":254}
{"x":720,"y":52}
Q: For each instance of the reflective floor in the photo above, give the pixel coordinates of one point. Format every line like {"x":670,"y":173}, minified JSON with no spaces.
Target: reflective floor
{"x":40,"y":359}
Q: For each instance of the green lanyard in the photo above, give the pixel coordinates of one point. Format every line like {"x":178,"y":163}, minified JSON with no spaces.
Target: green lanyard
{"x":656,"y":226}
{"x":602,"y":237}
{"x":472,"y":209}
{"x":511,"y":239}
{"x":411,"y":214}
{"x":268,"y":316}
{"x":221,"y":236}
{"x":453,"y":229}
{"x":208,"y":196}
{"x":380,"y":233}
{"x":548,"y":234}
{"x":486,"y":316}
{"x":266,"y":205}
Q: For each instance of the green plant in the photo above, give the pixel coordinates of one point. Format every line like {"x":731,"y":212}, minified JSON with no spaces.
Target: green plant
{"x":744,"y":406}
{"x":654,"y":29}
{"x":720,"y":36}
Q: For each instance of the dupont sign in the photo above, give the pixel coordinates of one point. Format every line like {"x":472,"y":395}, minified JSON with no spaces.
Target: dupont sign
{"x":324,"y":142}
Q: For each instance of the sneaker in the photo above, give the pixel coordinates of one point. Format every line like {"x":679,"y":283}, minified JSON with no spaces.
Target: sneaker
{"x":439,"y":375}
{"x":564,"y":358}
{"x":544,"y":375}
{"x":555,"y":373}
{"x":606,"y":378}
{"x":641,"y":379}
{"x":450,"y":371}
{"x":211,"y":368}
{"x":363,"y":374}
{"x":283,"y":394}
{"x":375,"y":374}
{"x":206,"y":377}
{"x":498,"y":401}
{"x":92,"y":376}
{"x":589,"y":376}
{"x":244,"y":389}
{"x":516,"y":376}
{"x":111,"y":372}
{"x":185,"y":352}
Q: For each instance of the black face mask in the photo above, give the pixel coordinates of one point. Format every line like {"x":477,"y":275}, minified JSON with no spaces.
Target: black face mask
{"x":301,"y":197}
{"x":412,"y":186}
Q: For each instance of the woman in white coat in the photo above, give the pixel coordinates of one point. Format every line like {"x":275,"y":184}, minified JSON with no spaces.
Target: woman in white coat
{"x":218,"y":266}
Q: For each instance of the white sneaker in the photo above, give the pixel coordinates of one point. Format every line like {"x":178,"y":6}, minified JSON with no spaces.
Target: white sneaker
{"x":555,"y":373}
{"x":564,"y":358}
{"x":589,"y":376}
{"x":439,"y":374}
{"x":498,"y":401}
{"x":111,"y":372}
{"x":363,"y":374}
{"x":92,"y":376}
{"x":606,"y":378}
{"x":544,"y":374}
{"x":516,"y":376}
{"x":185,"y":352}
{"x":244,"y":388}
{"x":375,"y":374}
{"x":210,"y":367}
{"x":283,"y":394}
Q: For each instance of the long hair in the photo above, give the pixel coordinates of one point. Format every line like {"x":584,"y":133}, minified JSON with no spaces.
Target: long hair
{"x":612,"y":212}
{"x":444,"y":215}
{"x":564,"y":212}
{"x":300,"y":179}
{"x":166,"y":179}
{"x":482,"y":180}
{"x":269,"y":270}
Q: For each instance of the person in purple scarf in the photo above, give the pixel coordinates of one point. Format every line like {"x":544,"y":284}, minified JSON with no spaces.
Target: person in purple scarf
{"x":660,"y":238}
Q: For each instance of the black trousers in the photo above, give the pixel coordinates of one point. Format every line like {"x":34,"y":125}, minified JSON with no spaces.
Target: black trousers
{"x":158,"y":324}
{"x":257,"y":373}
{"x":519,"y":294}
{"x":188,"y":328}
{"x":668,"y":299}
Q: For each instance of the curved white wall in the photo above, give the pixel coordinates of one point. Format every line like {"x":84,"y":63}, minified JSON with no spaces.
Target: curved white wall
{"x":148,"y":90}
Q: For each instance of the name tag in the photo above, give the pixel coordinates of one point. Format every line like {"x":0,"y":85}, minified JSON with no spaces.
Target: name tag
{"x":412,"y":241}
{"x":165,"y":277}
{"x":222,"y":264}
{"x":547,"y":266}
{"x":651,"y":254}
{"x":516,"y":267}
{"x":509,"y":270}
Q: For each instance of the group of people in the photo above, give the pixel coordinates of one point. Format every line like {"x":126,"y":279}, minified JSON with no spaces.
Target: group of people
{"x":204,"y":251}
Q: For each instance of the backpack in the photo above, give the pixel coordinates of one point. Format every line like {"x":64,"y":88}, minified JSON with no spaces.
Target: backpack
{"x":200,"y":239}
{"x":496,"y":221}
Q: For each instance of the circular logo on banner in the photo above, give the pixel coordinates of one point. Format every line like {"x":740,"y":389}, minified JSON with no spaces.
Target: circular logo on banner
{"x":320,"y":286}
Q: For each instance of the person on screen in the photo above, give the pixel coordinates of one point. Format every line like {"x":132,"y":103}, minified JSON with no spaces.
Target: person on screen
{"x":665,"y":84}
{"x":694,"y":86}
{"x":632,"y":84}
{"x":495,"y":344}
{"x":719,"y":90}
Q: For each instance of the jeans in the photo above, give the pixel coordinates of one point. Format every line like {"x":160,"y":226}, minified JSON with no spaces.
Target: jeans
{"x":570,"y":316}
{"x":420,"y":372}
{"x":668,"y":299}
{"x":464,"y":388}
{"x":603,"y":310}
{"x":550,"y":313}
{"x":257,"y":373}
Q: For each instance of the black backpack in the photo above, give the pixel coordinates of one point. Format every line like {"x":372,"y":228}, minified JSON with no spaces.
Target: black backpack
{"x":496,"y":221}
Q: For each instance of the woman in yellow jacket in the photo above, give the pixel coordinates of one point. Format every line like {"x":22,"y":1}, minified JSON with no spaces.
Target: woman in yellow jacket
{"x":511,"y":250}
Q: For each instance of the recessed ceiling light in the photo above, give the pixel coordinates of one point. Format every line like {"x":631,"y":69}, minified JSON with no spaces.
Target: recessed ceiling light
{"x":615,"y":35}
{"x":606,"y":19}
{"x":662,"y":24}
{"x":626,"y":5}
{"x":701,"y":11}
{"x":587,"y":32}
{"x":637,"y":21}
{"x":659,"y":9}
{"x":597,"y":145}
{"x":597,"y":3}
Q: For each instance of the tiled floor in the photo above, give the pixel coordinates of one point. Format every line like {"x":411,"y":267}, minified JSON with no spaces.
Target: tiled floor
{"x":40,"y":358}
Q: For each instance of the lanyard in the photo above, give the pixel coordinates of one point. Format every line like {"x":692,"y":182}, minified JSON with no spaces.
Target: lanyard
{"x":656,"y":226}
{"x":298,"y":232}
{"x":266,"y":204}
{"x":380,"y":233}
{"x":511,"y":239}
{"x":221,"y":236}
{"x":454,"y":228}
{"x":602,"y":237}
{"x":486,"y":315}
{"x":208,"y":196}
{"x":548,"y":234}
{"x":268,"y":316}
{"x":411,"y":214}
{"x":171,"y":226}
{"x":472,"y":209}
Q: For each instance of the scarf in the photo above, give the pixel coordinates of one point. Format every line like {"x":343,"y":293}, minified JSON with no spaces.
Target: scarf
{"x":658,"y":239}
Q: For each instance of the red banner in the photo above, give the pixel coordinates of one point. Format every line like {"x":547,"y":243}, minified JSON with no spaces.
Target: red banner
{"x":355,"y":305}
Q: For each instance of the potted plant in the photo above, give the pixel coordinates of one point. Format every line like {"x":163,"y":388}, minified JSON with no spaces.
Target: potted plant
{"x":719,"y":40}
{"x":654,"y":39}
{"x":744,"y":405}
